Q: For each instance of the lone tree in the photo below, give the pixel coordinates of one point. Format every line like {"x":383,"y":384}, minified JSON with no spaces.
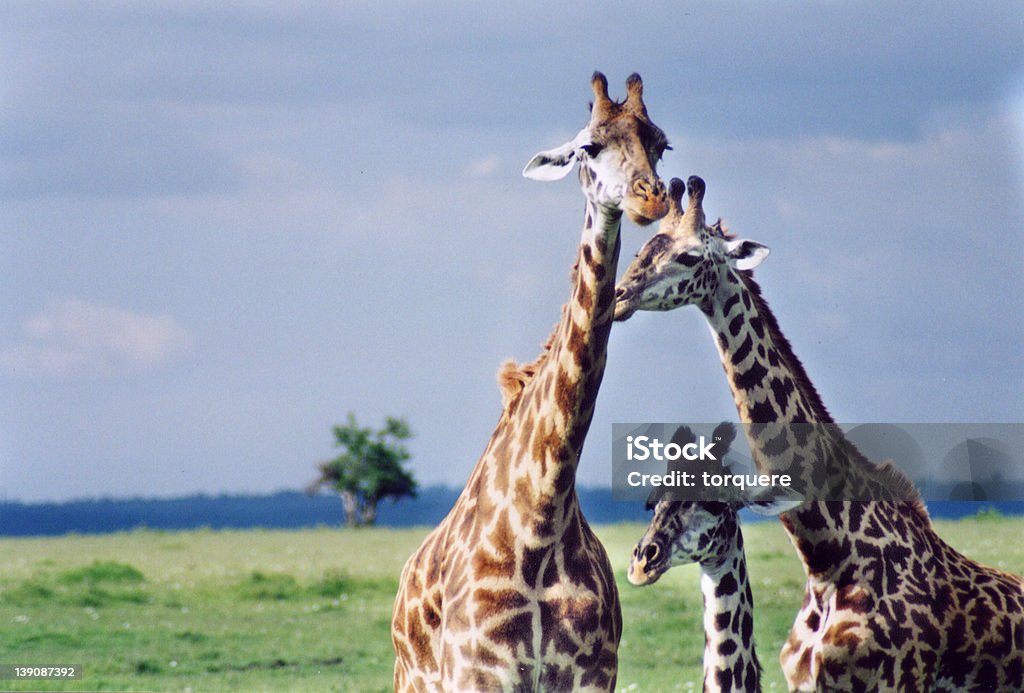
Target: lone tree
{"x":369,"y":468}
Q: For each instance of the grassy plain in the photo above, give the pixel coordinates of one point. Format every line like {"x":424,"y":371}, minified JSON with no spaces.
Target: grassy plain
{"x":310,"y":610}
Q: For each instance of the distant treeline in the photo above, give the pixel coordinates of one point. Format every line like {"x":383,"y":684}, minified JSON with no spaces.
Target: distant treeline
{"x":294,"y":509}
{"x":283,"y":510}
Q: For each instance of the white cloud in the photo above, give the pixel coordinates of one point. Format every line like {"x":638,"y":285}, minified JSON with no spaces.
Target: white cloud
{"x":71,"y":336}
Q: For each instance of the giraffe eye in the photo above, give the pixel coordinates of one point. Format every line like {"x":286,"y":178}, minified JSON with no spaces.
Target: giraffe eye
{"x":592,"y":149}
{"x":689,"y":258}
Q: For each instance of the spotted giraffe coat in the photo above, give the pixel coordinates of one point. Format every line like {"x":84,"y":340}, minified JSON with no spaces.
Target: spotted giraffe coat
{"x":888,"y":604}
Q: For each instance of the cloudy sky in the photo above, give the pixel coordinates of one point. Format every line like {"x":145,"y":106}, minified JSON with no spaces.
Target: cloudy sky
{"x":223,"y":226}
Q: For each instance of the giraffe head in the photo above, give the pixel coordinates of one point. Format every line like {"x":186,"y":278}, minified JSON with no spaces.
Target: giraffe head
{"x":618,"y":152}
{"x":704,"y":532}
{"x":686,"y":262}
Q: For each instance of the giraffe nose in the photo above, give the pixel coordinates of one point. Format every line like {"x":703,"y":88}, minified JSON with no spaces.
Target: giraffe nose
{"x":640,"y":570}
{"x":649,"y":190}
{"x":649,"y":200}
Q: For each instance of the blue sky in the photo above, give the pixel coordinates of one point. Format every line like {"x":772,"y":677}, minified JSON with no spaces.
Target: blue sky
{"x":222,"y":227}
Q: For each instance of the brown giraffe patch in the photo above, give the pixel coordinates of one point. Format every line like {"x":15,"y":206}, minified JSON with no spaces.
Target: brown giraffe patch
{"x":564,"y":481}
{"x":557,"y":678}
{"x":843,"y":635}
{"x":514,"y":632}
{"x":577,"y":344}
{"x":476,"y":679}
{"x":491,"y":602}
{"x":853,"y":598}
{"x":492,"y":565}
{"x":584,"y":298}
{"x":565,"y":392}
{"x":482,"y":654}
{"x":419,"y":639}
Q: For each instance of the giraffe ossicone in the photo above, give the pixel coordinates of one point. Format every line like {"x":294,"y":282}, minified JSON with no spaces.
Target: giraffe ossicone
{"x":512,"y":590}
{"x":888,"y":604}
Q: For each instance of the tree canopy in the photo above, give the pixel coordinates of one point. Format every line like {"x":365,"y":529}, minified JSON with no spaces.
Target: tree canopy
{"x":369,"y":469}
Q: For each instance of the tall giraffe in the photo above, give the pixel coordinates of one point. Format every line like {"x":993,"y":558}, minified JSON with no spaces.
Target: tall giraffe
{"x":888,"y":604}
{"x":512,"y":591}
{"x":708,"y":533}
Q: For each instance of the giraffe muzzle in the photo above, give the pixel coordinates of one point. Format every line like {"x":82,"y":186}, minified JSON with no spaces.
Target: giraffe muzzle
{"x":625,"y":304}
{"x":647,"y":201}
{"x":644,"y":568}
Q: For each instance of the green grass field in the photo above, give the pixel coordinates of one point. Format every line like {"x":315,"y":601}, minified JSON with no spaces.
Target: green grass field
{"x":310,"y":610}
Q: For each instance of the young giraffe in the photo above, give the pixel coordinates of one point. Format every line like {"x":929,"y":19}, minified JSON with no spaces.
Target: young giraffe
{"x":512,"y":591}
{"x":888,"y":604}
{"x":708,"y":533}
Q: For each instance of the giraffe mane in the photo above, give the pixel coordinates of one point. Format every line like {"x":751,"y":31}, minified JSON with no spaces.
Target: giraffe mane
{"x":886,"y":474}
{"x":513,"y":377}
{"x":890,"y":475}
{"x":511,"y":380}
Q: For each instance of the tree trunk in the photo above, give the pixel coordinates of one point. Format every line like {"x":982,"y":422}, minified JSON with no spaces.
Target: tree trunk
{"x":369,"y":514}
{"x":351,"y":505}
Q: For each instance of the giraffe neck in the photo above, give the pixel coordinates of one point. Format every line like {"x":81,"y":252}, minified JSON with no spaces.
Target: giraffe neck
{"x":561,"y":395}
{"x":768,"y":382}
{"x":769,"y":385}
{"x":730,"y":660}
{"x":771,"y":389}
{"x":532,"y":457}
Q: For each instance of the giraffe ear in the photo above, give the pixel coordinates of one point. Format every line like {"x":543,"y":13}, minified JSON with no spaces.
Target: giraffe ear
{"x":555,"y":164}
{"x":744,"y":254}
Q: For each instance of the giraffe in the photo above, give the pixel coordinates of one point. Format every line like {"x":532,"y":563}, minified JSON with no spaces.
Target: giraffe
{"x":512,"y":590}
{"x":887,"y":603}
{"x":708,"y":533}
